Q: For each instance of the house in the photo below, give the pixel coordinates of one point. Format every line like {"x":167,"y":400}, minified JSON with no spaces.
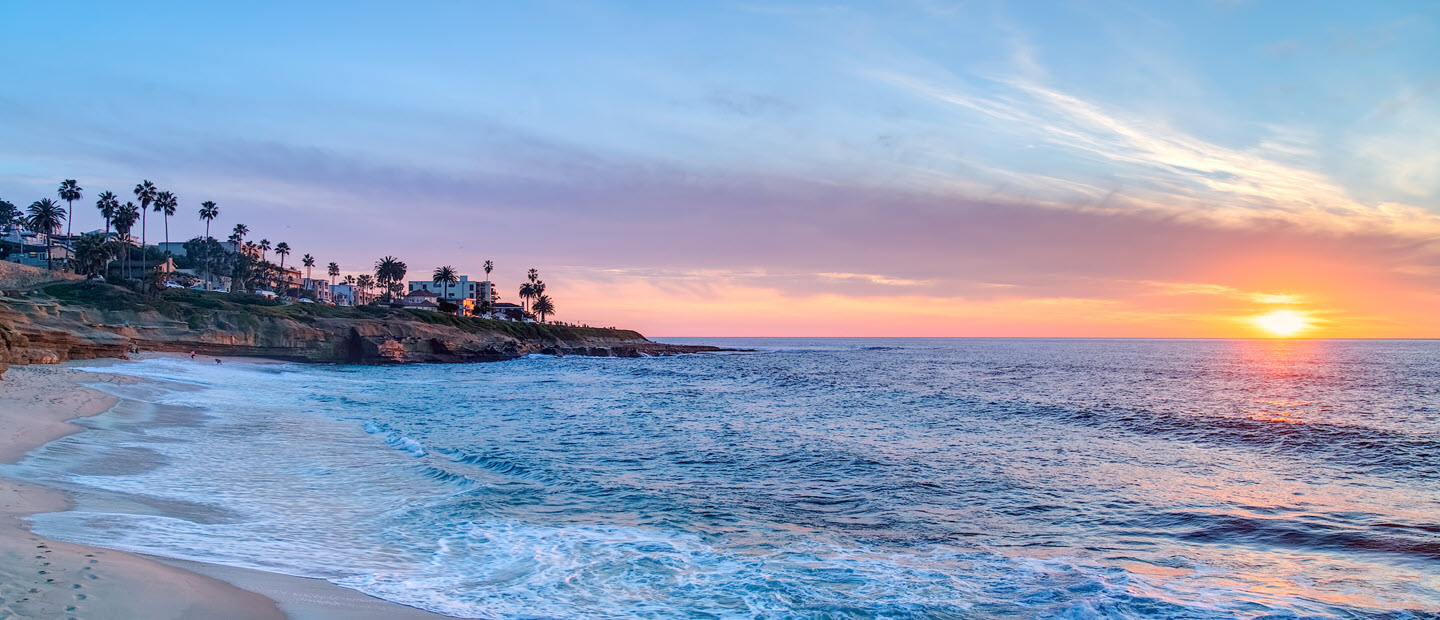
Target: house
{"x":506,"y":310}
{"x":341,"y":294}
{"x":140,"y":268}
{"x":321,"y":288}
{"x":421,"y":299}
{"x":177,"y":248}
{"x":464,"y":289}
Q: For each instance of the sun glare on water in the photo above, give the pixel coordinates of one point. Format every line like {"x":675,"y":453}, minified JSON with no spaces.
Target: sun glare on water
{"x":1283,"y":322}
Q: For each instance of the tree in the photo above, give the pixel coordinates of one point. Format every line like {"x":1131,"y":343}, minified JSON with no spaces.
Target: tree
{"x":92,"y":253}
{"x":238,"y":234}
{"x":543,"y":306}
{"x":108,"y":204}
{"x":208,"y":212}
{"x":125,"y":218}
{"x":145,"y":193}
{"x":334,"y":270}
{"x":365,"y":281}
{"x":489,"y":266}
{"x":444,"y":277}
{"x":389,"y":272}
{"x":46,"y":215}
{"x":283,"y":249}
{"x":527,"y":290}
{"x":308,"y":261}
{"x":211,"y":258}
{"x":165,"y":204}
{"x":69,"y":192}
{"x":264,"y":246}
{"x":9,"y":215}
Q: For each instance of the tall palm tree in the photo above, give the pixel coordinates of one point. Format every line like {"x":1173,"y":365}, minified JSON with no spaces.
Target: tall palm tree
{"x":308,"y":261}
{"x":533,"y":274}
{"x":527,"y":290}
{"x":165,"y":204}
{"x":489,"y":266}
{"x":543,"y":306}
{"x":108,"y":204}
{"x":283,"y":249}
{"x":46,"y":215}
{"x":125,"y":218}
{"x":443,"y":278}
{"x":69,"y":192}
{"x":208,"y":211}
{"x":239,"y":234}
{"x":264,"y":246}
{"x":144,"y":192}
{"x":334,"y":270}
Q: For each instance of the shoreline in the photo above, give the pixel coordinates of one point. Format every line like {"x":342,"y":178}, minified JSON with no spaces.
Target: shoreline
{"x":46,"y":578}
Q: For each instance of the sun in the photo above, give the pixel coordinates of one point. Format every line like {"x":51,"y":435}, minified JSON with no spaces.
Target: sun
{"x":1283,"y":322}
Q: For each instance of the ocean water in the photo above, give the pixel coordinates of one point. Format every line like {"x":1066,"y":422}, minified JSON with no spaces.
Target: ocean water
{"x":808,"y":479}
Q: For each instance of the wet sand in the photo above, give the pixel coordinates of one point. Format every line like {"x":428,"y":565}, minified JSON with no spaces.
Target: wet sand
{"x":43,"y":578}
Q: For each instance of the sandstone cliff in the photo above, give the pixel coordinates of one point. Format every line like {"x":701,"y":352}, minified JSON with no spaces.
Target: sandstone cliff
{"x":83,"y":320}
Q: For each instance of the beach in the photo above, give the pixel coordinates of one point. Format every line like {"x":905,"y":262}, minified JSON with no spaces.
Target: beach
{"x":44,"y":578}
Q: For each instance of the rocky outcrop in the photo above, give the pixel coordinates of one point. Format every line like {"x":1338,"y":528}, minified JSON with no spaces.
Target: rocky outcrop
{"x":38,"y":328}
{"x":14,"y":276}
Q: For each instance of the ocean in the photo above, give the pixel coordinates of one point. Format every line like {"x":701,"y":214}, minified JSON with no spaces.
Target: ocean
{"x":810,"y":478}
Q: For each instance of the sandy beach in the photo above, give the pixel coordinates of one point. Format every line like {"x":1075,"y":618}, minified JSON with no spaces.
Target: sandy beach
{"x":43,"y":578}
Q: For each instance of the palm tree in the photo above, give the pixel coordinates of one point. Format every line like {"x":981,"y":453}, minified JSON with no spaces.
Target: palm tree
{"x":125,"y":218}
{"x":444,"y":277}
{"x":264,"y":246}
{"x":543,"y":306}
{"x":69,"y":192}
{"x":208,"y":211}
{"x":46,"y":215}
{"x":239,"y":234}
{"x":108,"y":204}
{"x":489,"y":266}
{"x":145,"y":193}
{"x":308,"y":261}
{"x":334,"y":270}
{"x":527,"y":290}
{"x":390,"y":271}
{"x":283,"y":249}
{"x":165,"y":204}
{"x":364,"y":282}
{"x":92,"y":253}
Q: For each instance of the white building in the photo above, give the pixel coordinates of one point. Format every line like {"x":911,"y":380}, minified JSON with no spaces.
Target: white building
{"x":464,"y":289}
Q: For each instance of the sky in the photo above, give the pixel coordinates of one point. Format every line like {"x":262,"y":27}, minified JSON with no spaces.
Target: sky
{"x":907,"y":168}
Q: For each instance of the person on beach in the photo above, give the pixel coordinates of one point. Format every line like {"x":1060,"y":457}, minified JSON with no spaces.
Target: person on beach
{"x":192,"y":355}
{"x":217,"y":361}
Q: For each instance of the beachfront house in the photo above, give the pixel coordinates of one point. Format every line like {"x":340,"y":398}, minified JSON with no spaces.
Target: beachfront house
{"x":464,"y":289}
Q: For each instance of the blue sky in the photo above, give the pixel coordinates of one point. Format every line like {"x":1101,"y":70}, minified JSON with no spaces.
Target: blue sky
{"x":679,"y":147}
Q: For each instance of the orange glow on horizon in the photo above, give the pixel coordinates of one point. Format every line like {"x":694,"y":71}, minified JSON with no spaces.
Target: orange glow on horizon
{"x":1283,"y":323}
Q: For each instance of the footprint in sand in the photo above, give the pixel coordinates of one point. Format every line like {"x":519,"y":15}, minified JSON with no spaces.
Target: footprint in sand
{"x":75,"y":586}
{"x":80,"y":597}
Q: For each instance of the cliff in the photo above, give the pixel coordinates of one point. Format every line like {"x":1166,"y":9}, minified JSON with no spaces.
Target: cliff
{"x":83,"y":320}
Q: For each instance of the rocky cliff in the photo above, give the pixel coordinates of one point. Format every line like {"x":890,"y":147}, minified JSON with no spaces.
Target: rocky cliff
{"x":83,"y":320}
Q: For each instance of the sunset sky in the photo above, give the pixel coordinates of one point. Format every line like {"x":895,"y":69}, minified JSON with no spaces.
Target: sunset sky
{"x":920,"y":168}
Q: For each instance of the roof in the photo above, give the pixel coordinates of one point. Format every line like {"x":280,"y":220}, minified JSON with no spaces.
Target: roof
{"x":420,"y":292}
{"x":504,"y":304}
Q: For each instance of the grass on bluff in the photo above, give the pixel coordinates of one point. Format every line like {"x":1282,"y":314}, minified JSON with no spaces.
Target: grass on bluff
{"x":194,"y":307}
